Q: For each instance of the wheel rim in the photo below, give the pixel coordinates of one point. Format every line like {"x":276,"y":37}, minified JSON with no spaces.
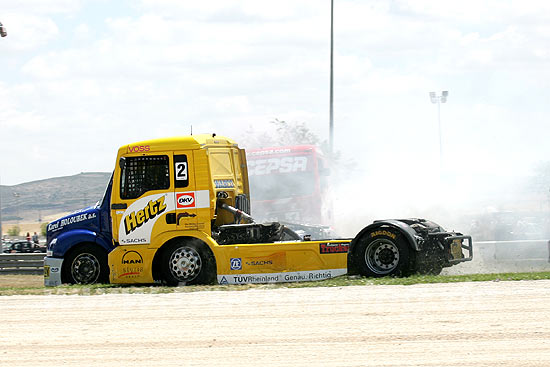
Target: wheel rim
{"x":382,"y":256}
{"x":85,"y":268}
{"x":185,"y":264}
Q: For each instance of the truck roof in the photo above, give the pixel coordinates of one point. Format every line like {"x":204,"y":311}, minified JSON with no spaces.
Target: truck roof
{"x":177,"y":143}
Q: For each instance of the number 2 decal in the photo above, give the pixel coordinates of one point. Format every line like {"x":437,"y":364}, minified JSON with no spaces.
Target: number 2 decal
{"x":181,"y":171}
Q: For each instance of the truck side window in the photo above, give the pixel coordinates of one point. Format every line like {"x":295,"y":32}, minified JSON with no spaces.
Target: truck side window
{"x":142,"y":174}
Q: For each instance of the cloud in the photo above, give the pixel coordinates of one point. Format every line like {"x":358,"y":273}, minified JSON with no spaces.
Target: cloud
{"x":27,"y":32}
{"x":39,"y":7}
{"x":157,"y":67}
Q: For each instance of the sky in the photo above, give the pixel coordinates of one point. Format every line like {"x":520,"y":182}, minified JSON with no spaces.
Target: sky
{"x":79,"y":78}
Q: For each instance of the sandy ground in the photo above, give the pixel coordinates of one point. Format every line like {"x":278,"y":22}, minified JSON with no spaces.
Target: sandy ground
{"x":460,"y":324}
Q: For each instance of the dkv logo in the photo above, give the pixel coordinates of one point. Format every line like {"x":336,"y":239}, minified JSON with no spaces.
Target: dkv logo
{"x":185,"y":200}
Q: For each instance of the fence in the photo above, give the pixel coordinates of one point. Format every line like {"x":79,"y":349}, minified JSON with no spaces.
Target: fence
{"x":22,"y":263}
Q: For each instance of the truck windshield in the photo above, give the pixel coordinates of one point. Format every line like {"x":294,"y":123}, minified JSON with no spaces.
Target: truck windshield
{"x":106,"y":193}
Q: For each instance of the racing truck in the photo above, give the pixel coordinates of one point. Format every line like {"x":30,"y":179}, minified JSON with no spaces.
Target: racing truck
{"x":177,"y":211}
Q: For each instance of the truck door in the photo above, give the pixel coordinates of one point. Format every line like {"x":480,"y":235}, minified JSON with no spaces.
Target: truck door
{"x":187,"y":198}
{"x":142,"y":194}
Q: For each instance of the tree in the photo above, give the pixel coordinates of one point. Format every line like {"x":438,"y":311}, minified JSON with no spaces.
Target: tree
{"x":44,"y":229}
{"x":283,"y":133}
{"x":14,"y":231}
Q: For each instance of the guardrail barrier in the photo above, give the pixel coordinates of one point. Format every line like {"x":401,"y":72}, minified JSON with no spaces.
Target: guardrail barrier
{"x":22,"y":263}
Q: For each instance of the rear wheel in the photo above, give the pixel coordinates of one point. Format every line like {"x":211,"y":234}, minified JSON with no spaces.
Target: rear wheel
{"x":188,"y":262}
{"x":382,"y":252}
{"x":85,"y":265}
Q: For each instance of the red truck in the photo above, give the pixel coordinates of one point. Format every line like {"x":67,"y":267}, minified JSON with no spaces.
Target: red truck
{"x":290,"y":185}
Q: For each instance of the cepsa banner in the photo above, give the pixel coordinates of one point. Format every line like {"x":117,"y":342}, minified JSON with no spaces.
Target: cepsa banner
{"x":267,"y":166}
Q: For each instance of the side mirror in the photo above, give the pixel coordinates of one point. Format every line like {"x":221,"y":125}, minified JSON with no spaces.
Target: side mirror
{"x":122,"y":162}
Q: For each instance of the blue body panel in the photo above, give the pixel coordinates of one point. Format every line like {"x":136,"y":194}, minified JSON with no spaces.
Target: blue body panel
{"x":90,"y":225}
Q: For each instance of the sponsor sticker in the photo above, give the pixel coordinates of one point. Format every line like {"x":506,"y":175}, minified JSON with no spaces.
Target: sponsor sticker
{"x":276,"y":261}
{"x":260,"y":167}
{"x":132,"y":264}
{"x":131,"y":241}
{"x":333,"y":248}
{"x":139,"y":148}
{"x":224,"y":184}
{"x":295,"y":276}
{"x":235,"y":263}
{"x":132,"y":257}
{"x":185,"y":200}
{"x":137,"y":218}
{"x":59,"y":224}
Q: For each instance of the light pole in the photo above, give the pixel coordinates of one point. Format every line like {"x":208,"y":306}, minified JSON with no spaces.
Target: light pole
{"x":1,"y":233}
{"x":442,"y":98}
{"x":17,"y":195}
{"x":3,"y":33}
{"x":331,"y":110}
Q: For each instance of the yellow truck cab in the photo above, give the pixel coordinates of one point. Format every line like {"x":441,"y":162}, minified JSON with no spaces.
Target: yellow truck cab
{"x":177,"y":210}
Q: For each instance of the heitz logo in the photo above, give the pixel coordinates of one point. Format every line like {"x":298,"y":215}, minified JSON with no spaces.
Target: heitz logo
{"x":138,"y":218}
{"x":185,"y":200}
{"x":132,"y":258}
{"x":139,"y":148}
{"x":236,"y":263}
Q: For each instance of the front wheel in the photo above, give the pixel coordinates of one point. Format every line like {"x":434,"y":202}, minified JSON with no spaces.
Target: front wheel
{"x":382,"y":253}
{"x":188,"y":262}
{"x":85,"y":265}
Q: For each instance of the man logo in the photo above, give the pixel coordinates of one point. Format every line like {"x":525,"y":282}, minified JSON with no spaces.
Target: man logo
{"x":185,"y":200}
{"x":132,"y":258}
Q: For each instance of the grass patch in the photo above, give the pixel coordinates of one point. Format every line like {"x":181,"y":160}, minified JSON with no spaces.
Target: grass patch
{"x":33,"y":284}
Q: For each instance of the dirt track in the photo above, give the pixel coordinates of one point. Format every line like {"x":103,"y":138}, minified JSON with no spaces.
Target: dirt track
{"x":461,"y":324}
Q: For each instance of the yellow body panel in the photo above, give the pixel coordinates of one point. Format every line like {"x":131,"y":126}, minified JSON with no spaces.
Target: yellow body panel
{"x":131,"y":264}
{"x":280,"y":262}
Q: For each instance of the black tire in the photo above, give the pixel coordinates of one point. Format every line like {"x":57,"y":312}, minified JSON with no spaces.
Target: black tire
{"x":187,"y":262}
{"x":86,"y":264}
{"x":382,"y":253}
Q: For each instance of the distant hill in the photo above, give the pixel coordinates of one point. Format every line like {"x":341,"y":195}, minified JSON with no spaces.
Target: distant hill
{"x":30,"y":201}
